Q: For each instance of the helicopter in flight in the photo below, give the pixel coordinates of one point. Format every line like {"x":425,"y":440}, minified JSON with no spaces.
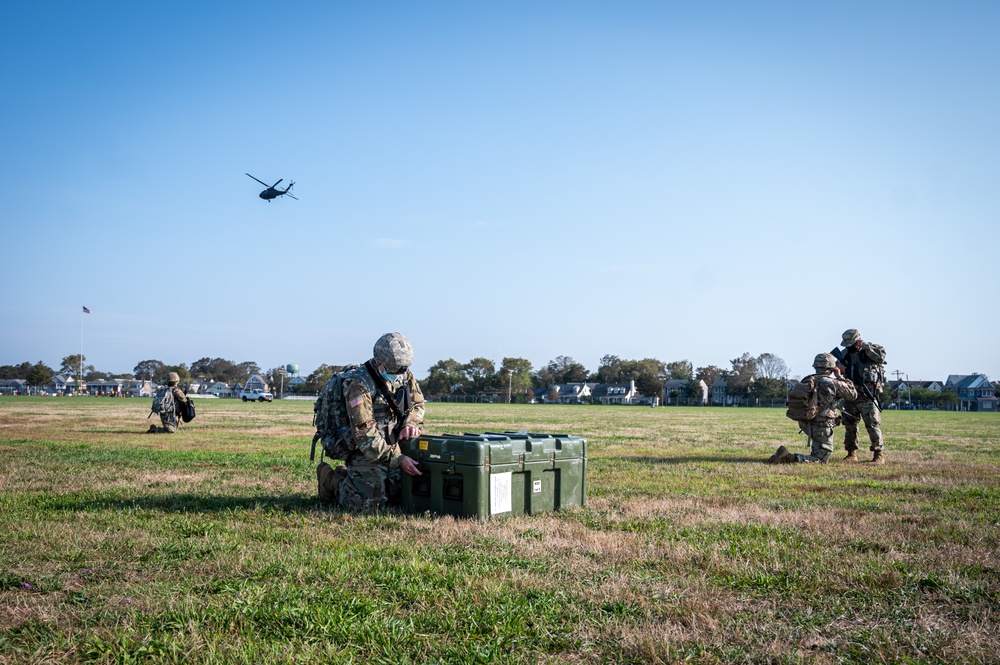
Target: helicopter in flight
{"x":272,"y":191}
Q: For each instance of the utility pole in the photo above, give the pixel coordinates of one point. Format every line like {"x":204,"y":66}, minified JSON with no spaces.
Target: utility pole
{"x":898,"y":374}
{"x":510,"y":380}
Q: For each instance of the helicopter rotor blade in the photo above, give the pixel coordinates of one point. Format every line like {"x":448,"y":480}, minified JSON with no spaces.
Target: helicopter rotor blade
{"x":294,"y":197}
{"x":259,"y":180}
{"x":276,"y":184}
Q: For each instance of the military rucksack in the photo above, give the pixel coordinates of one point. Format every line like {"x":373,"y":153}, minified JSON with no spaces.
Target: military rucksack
{"x":803,"y":400}
{"x":163,"y":401}
{"x":330,"y":418}
{"x":187,"y":410}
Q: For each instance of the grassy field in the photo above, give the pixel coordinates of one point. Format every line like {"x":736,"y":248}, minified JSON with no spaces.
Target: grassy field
{"x":209,"y":545}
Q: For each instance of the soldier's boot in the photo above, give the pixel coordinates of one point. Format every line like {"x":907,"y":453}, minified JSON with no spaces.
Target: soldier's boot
{"x":878,"y":457}
{"x":151,"y":430}
{"x":328,"y":481}
{"x":341,"y":470}
{"x":852,"y":456}
{"x":782,"y":456}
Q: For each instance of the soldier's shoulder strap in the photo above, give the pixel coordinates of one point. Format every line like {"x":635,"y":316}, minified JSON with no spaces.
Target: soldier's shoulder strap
{"x":383,"y":391}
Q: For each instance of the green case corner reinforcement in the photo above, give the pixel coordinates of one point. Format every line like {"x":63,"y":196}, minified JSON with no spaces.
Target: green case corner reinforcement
{"x":495,"y":474}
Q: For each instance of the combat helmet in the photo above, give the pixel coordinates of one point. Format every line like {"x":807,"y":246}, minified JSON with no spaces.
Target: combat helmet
{"x":393,"y":351}
{"x":173,"y":378}
{"x":824,"y":361}
{"x":850,"y":336}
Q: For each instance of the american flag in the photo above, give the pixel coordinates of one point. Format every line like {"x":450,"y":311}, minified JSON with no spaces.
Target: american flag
{"x":85,"y":310}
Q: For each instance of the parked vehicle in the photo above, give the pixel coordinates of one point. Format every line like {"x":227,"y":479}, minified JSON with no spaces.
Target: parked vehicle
{"x":256,"y":395}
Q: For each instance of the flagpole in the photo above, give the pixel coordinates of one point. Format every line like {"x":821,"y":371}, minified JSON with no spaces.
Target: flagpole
{"x":80,"y":381}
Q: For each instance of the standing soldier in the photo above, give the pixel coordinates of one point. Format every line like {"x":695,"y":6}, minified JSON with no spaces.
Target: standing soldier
{"x":864,"y":364}
{"x":384,"y":406}
{"x":830,"y":387}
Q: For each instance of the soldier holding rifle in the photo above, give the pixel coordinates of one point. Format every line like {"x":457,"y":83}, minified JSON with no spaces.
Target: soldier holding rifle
{"x":864,"y":364}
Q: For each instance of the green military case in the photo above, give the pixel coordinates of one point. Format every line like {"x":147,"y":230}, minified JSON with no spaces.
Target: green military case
{"x":492,"y":475}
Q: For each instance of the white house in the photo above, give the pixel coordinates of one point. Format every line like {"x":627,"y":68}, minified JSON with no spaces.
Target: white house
{"x":220,"y":389}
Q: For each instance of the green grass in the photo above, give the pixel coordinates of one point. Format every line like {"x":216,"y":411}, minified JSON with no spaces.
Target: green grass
{"x":209,"y":545}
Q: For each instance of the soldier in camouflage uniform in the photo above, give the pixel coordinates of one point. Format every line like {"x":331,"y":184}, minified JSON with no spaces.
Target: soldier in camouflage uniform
{"x":864,"y":364}
{"x":372,"y":470}
{"x":831,"y":386}
{"x":169,"y":419}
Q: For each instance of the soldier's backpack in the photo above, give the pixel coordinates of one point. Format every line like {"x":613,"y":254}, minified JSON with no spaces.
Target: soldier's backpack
{"x":187,"y":410}
{"x":330,"y":418}
{"x":163,"y":401}
{"x":803,"y":400}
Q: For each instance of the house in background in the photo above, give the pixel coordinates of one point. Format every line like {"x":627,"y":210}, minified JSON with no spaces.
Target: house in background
{"x":138,"y":388}
{"x":62,"y":385}
{"x":719,"y":390}
{"x":220,"y":389}
{"x":615,"y":393}
{"x":975,"y":392}
{"x":106,"y":387}
{"x":255,"y":382}
{"x":11,"y":386}
{"x":567,"y":393}
{"x":679,"y":390}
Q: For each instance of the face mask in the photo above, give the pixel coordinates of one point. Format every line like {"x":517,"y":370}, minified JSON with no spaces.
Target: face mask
{"x":389,"y":377}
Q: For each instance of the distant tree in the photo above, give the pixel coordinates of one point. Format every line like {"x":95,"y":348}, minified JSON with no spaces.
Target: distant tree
{"x":770,"y":366}
{"x":245,"y":369}
{"x":708,"y":374}
{"x":481,"y":373}
{"x":148,"y":369}
{"x":647,"y":374}
{"x":517,"y":373}
{"x":182,"y":372}
{"x":947,"y":397}
{"x":765,"y":388}
{"x":71,"y":365}
{"x":921,"y":394}
{"x":218,"y":369}
{"x":742,"y":374}
{"x":561,"y":370}
{"x":318,"y":378}
{"x":680,"y":369}
{"x":276,"y":378}
{"x":40,"y":375}
{"x":609,"y":370}
{"x":15,"y":371}
{"x":442,"y":377}
{"x":94,"y":375}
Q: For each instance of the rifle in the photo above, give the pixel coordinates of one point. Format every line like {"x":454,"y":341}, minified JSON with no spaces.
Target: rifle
{"x":854,"y":375}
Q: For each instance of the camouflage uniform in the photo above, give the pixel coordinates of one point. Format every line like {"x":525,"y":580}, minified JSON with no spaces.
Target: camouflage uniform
{"x":169,"y":419}
{"x":820,"y":429}
{"x":376,"y":456}
{"x":830,"y":389}
{"x":866,"y":369}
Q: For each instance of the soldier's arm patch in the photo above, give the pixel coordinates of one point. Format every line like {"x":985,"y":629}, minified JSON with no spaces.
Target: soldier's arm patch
{"x":356,"y":401}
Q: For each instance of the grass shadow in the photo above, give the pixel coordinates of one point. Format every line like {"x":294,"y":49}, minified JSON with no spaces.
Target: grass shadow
{"x":694,"y":459}
{"x":198,"y":503}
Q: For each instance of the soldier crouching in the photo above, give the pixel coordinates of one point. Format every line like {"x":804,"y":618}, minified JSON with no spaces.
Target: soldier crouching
{"x":830,"y":387}
{"x":384,"y":406}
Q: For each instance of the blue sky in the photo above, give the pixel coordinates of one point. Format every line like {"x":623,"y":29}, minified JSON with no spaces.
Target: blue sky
{"x":645,"y":179}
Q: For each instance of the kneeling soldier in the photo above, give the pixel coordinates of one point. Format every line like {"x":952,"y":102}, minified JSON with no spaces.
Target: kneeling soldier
{"x":830,"y":388}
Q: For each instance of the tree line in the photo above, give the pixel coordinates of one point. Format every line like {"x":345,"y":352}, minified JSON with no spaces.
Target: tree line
{"x":760,"y":376}
{"x":156,"y":371}
{"x":753,"y":377}
{"x":756,"y":376}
